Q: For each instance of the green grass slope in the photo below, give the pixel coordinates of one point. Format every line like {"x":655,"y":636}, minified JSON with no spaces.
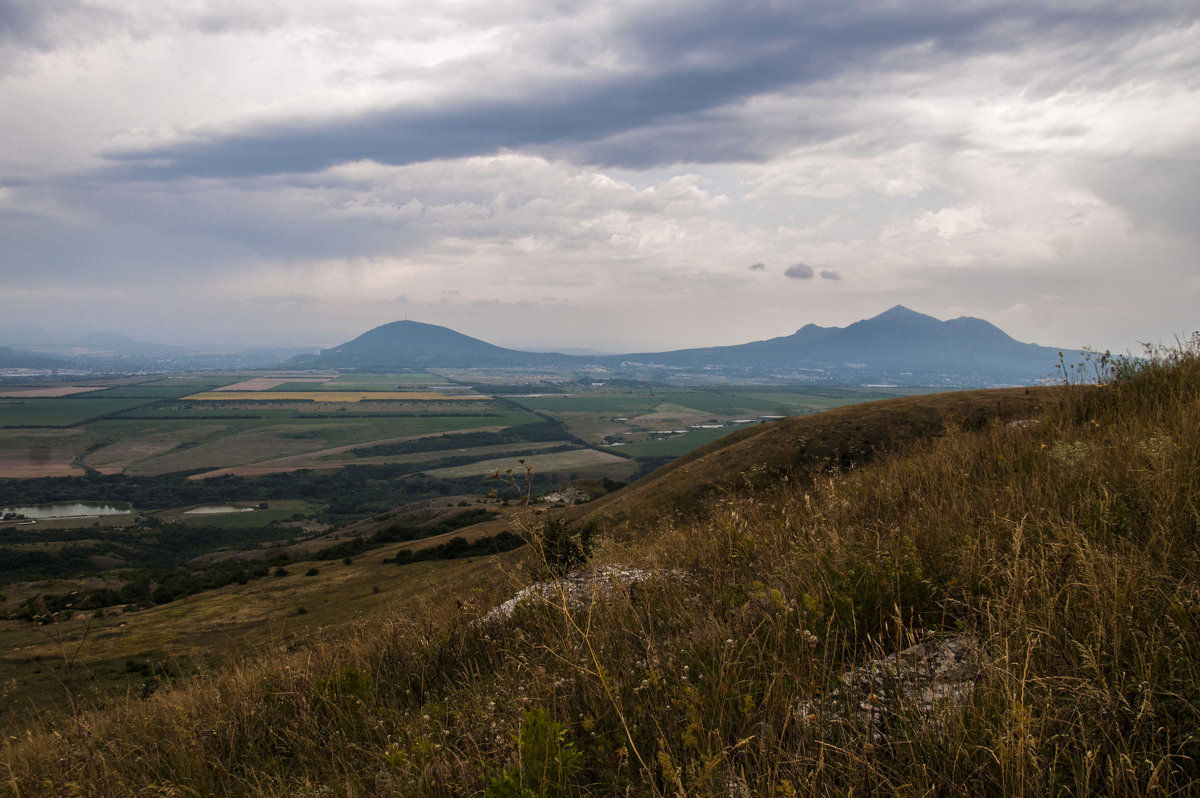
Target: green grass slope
{"x":1068,"y":551}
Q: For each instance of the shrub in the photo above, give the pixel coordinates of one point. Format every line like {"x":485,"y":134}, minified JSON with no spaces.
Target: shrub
{"x":546,"y":766}
{"x":564,"y":545}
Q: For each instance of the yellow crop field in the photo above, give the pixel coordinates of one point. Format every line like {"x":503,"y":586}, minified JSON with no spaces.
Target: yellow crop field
{"x":324,"y":396}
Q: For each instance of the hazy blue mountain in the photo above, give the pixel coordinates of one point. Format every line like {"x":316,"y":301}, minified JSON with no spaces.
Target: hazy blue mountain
{"x":15,"y":359}
{"x":898,"y":346}
{"x":25,"y":336}
{"x":114,"y":343}
{"x":414,"y":345}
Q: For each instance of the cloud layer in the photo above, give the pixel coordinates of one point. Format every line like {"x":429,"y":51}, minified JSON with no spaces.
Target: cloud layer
{"x":599,"y":174}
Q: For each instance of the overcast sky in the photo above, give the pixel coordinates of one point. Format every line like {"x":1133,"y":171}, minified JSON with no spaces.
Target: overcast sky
{"x":619,"y":174}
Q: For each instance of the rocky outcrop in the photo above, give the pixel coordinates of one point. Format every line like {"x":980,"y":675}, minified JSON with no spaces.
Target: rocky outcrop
{"x":930,"y":681}
{"x":576,"y":589}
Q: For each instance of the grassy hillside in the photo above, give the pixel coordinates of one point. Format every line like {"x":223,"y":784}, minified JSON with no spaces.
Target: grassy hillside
{"x":761,"y":455}
{"x":1066,"y":552}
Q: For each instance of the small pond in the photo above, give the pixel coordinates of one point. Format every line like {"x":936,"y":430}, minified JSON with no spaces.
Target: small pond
{"x":67,"y":510}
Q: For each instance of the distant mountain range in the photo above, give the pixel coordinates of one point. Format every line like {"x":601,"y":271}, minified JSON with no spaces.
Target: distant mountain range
{"x":16,"y":359}
{"x":109,"y":343}
{"x":30,"y":348}
{"x":899,"y":346}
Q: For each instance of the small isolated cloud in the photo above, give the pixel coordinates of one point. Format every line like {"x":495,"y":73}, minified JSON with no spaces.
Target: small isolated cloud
{"x":830,"y":274}
{"x":799,"y":271}
{"x":757,"y":267}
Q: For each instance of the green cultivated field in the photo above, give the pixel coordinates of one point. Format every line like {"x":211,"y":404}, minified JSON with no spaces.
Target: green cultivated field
{"x":65,"y":411}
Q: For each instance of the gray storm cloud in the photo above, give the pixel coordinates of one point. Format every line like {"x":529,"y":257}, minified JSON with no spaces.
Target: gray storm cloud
{"x":611,"y":154}
{"x":686,"y":70}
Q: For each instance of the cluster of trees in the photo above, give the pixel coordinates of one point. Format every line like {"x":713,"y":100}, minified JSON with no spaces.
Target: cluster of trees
{"x":400,"y":532}
{"x":461,"y":547}
{"x":357,"y":490}
{"x":153,"y":547}
{"x":143,"y":589}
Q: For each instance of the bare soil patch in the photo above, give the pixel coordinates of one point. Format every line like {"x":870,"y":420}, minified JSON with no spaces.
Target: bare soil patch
{"x":48,"y":393}
{"x":40,"y":453}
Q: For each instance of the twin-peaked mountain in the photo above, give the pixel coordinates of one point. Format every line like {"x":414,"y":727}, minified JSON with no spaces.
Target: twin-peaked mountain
{"x":899,"y":346}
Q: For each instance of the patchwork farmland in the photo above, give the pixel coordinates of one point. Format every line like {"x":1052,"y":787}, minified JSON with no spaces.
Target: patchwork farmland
{"x":259,"y":423}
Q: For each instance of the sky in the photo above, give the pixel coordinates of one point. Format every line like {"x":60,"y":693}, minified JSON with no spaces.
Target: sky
{"x":620,"y":175}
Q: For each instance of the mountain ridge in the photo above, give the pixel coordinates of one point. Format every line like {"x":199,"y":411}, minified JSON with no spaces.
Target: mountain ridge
{"x":898,"y":346}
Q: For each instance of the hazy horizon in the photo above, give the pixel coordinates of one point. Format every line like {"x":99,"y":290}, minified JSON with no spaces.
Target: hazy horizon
{"x":40,"y":335}
{"x":621,"y":177}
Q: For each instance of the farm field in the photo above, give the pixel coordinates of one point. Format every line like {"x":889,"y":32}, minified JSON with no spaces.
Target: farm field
{"x":326,"y":396}
{"x":580,"y":460}
{"x":43,"y":393}
{"x":342,"y":456}
{"x":153,"y":426}
{"x":674,"y":445}
{"x":263,"y":422}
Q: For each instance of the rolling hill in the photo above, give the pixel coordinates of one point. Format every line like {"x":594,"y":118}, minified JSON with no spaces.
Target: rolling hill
{"x":843,"y":437}
{"x":404,"y":345}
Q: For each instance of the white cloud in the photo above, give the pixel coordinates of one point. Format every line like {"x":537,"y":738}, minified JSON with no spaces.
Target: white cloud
{"x":627,"y":159}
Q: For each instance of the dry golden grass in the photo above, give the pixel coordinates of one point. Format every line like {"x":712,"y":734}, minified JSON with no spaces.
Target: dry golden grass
{"x":1070,"y":550}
